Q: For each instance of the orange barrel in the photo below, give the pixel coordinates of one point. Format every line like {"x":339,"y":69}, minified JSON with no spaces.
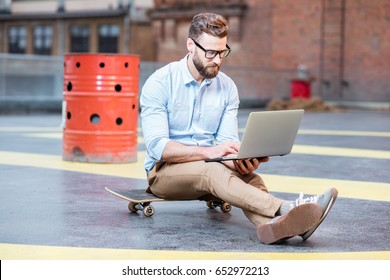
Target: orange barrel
{"x":100,"y":108}
{"x":300,"y":89}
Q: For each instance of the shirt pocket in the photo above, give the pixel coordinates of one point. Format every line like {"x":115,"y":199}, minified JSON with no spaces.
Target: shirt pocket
{"x":179,"y":116}
{"x":212,"y":118}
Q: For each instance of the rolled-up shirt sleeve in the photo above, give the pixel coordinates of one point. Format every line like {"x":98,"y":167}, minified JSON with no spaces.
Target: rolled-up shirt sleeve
{"x":228,"y":128}
{"x":154,"y":117}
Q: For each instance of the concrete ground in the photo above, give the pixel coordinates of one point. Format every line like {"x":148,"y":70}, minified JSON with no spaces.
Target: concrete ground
{"x":52,"y":209}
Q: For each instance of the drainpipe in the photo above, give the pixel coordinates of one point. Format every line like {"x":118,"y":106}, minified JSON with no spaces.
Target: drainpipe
{"x":127,"y":28}
{"x":60,"y":6}
{"x":343,"y":83}
{"x":61,"y":27}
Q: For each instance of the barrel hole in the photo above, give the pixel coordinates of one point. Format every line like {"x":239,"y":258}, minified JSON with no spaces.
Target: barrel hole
{"x":119,"y":121}
{"x":133,"y":106}
{"x":78,"y":64}
{"x":69,"y":86}
{"x":102,"y":64}
{"x":68,"y":115}
{"x":126,"y":65}
{"x":95,"y":118}
{"x":78,"y":152}
{"x":118,"y":88}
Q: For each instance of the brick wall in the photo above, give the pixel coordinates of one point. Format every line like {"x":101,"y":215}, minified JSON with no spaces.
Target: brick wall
{"x":367,"y":50}
{"x":344,"y":43}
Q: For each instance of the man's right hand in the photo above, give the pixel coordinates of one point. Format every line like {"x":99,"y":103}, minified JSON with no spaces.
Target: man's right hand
{"x":223,"y":149}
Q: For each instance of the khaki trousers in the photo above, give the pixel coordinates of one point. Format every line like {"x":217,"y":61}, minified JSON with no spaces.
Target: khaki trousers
{"x":200,"y":180}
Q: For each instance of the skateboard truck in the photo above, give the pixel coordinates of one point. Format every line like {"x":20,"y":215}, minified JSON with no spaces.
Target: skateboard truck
{"x":145,"y":207}
{"x":225,"y":207}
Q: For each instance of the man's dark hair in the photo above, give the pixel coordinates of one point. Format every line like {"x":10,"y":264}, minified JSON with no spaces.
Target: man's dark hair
{"x":212,"y":24}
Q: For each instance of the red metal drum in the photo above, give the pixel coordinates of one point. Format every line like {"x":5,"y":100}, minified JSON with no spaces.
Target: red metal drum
{"x":100,"y":108}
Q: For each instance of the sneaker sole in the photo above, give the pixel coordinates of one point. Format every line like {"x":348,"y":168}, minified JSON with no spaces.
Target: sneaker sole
{"x":297,"y":221}
{"x":334,"y":194}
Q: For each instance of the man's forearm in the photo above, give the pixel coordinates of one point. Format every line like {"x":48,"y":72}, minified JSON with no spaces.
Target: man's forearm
{"x":177,"y":152}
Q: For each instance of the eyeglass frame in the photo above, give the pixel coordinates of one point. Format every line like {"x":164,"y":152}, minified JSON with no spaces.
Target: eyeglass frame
{"x":216,"y":52}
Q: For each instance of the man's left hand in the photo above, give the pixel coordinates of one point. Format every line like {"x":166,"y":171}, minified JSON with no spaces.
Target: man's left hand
{"x":246,"y":166}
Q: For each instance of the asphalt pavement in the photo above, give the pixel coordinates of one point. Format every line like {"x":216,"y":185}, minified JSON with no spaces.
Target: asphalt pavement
{"x":55,"y":209}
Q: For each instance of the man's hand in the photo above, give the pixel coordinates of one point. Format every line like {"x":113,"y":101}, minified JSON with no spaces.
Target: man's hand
{"x":223,"y":149}
{"x":246,"y":166}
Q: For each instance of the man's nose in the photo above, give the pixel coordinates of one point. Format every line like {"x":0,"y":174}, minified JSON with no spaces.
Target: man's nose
{"x":217,"y":59}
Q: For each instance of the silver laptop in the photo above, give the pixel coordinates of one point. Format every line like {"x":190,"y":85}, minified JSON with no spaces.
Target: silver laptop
{"x":268,"y":133}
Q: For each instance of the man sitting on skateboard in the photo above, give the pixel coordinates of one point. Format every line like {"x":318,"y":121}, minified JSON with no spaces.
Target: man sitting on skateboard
{"x":189,"y":114}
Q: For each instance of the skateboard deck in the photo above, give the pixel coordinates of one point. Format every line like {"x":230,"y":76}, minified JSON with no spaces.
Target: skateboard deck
{"x":135,"y":195}
{"x":139,"y":199}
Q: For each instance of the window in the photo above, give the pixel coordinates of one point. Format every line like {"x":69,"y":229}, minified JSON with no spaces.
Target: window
{"x":79,"y":38}
{"x":108,"y":38}
{"x":17,"y":39}
{"x":43,"y":39}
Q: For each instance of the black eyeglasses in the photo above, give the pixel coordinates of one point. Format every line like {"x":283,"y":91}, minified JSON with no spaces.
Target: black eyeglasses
{"x":212,"y":53}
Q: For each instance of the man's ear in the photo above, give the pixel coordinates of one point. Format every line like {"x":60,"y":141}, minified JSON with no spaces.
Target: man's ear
{"x":190,"y":45}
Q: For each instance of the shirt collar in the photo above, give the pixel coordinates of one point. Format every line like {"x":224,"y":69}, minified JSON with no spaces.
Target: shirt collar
{"x":187,"y":76}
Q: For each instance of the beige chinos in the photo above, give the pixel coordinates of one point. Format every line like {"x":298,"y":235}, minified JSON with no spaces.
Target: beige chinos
{"x":198,"y":180}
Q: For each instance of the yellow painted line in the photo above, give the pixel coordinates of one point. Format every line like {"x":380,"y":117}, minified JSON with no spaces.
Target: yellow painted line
{"x":297,"y":149}
{"x":30,"y":129}
{"x":58,"y":135}
{"x":344,"y":133}
{"x":341,"y":152}
{"x":347,"y":188}
{"x":241,"y":130}
{"x":339,"y":132}
{"x":276,"y":183}
{"x":36,"y":129}
{"x":128,"y":170}
{"x":53,"y":135}
{"x":33,"y":252}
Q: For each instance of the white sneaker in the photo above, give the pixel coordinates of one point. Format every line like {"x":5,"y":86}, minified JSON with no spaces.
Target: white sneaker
{"x":326,"y":200}
{"x":296,"y":222}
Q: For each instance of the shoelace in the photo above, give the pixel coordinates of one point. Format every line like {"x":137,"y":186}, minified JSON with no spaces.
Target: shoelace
{"x":300,"y":200}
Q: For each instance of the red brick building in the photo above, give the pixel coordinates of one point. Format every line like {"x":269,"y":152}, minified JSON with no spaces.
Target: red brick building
{"x":345,"y":44}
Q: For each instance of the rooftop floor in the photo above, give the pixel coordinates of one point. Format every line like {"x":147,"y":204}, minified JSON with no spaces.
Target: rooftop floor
{"x":53,"y":209}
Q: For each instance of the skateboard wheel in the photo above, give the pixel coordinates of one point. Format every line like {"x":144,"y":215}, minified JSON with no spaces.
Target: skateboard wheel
{"x":148,"y":211}
{"x":226,"y":207}
{"x":211,"y":204}
{"x":132,"y":207}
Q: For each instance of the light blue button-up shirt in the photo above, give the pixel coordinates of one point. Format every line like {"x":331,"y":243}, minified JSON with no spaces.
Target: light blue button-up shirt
{"x":174,"y":107}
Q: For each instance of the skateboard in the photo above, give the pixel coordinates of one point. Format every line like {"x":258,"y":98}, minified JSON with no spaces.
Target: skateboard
{"x":141,"y":201}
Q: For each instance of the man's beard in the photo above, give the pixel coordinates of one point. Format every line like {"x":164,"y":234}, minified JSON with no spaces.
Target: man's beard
{"x":208,"y":72}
